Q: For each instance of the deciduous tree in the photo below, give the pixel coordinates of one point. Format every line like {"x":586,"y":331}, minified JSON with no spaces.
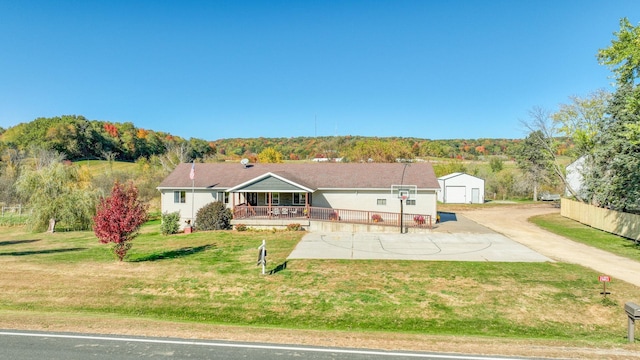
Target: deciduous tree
{"x":582,"y":119}
{"x":537,"y":155}
{"x":270,"y":155}
{"x":623,"y":56}
{"x":60,"y":192}
{"x":118,"y":218}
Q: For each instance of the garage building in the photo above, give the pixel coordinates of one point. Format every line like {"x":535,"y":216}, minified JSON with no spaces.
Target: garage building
{"x":461,"y":188}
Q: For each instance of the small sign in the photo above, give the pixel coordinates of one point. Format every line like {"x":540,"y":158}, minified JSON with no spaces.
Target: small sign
{"x":604,"y":279}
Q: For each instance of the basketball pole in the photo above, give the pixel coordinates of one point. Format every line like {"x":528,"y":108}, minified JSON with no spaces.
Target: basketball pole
{"x":400,"y":193}
{"x":401,"y":217}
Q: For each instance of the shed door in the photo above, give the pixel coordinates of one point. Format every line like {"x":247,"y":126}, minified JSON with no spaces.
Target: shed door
{"x":475,"y":196}
{"x":455,"y":195}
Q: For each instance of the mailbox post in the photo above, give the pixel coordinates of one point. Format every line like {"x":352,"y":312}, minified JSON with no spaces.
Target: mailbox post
{"x":633,"y":312}
{"x":262,"y":255}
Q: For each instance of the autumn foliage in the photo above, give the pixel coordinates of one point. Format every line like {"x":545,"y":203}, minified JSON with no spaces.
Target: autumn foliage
{"x":118,"y":218}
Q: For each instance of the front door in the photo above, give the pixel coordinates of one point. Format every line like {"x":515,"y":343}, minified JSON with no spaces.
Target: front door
{"x":252,"y":199}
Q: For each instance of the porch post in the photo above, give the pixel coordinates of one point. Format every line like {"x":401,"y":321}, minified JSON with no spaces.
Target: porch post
{"x":306,"y":205}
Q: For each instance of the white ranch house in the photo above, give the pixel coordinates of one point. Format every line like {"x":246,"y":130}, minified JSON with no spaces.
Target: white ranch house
{"x":461,"y":188}
{"x":274,"y":195}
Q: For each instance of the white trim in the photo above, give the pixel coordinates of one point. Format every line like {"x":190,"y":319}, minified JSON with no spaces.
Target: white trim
{"x":264,"y":176}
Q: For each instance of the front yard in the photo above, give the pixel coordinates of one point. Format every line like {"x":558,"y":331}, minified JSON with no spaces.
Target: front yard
{"x":211,"y":278}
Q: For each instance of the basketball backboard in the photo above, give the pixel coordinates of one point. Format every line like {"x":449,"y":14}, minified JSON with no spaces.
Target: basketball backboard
{"x":404,"y":192}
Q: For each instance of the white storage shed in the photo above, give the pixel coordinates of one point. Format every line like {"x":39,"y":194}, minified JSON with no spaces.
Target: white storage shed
{"x":461,"y":188}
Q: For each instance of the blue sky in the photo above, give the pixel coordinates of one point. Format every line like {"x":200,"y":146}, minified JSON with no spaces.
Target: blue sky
{"x":224,"y":69}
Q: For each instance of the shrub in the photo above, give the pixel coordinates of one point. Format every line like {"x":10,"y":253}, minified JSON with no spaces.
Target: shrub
{"x":294,"y":227}
{"x":170,"y":223}
{"x":376,"y":218}
{"x":241,"y":227}
{"x":214,"y":216}
{"x":419,"y":219}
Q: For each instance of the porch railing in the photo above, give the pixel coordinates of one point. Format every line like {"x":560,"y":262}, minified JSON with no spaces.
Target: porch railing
{"x":330,"y":214}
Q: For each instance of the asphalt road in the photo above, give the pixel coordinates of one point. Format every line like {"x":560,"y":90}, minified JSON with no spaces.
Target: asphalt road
{"x":17,"y":345}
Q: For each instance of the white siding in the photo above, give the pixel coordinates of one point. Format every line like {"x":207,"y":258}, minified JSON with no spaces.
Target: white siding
{"x":367,"y":200}
{"x":574,"y":176}
{"x":198,"y":198}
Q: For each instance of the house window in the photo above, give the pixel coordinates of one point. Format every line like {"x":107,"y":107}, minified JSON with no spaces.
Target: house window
{"x":299,"y":198}
{"x":410,"y":202}
{"x":382,"y":201}
{"x":179,"y":197}
{"x":223,"y":196}
{"x":275,"y":198}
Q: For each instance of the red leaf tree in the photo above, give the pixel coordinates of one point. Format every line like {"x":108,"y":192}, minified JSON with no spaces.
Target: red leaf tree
{"x":118,"y":218}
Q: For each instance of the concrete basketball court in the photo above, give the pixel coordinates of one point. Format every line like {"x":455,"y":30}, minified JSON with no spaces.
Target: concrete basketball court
{"x":456,"y":238}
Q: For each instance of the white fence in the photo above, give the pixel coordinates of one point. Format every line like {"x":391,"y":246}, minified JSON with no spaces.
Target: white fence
{"x":14,"y":210}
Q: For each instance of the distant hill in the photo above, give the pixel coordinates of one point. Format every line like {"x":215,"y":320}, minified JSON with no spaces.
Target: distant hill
{"x":79,"y":138}
{"x":298,"y":148}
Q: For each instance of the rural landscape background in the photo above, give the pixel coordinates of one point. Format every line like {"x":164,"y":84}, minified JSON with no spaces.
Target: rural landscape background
{"x":113,"y":151}
{"x":205,"y":284}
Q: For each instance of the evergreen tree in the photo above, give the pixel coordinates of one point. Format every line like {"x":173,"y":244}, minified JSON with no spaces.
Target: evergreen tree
{"x":613,"y":180}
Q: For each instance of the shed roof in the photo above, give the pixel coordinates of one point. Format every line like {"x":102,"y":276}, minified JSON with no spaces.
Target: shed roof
{"x":310,"y":175}
{"x":456,"y":174}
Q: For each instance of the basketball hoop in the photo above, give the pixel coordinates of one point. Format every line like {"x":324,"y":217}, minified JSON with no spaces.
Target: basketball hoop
{"x":404,"y":192}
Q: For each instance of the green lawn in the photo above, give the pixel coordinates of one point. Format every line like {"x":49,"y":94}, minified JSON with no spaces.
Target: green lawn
{"x":212,"y":278}
{"x":587,"y":235}
{"x":102,"y":166}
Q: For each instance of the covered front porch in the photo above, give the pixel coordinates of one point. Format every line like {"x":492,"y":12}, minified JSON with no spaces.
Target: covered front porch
{"x":273,"y":201}
{"x":281,"y":216}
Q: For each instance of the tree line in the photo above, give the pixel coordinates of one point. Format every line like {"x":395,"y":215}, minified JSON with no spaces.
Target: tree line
{"x":77,"y":138}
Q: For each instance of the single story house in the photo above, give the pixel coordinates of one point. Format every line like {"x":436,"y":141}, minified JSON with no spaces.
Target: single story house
{"x":270,"y":190}
{"x":461,"y":188}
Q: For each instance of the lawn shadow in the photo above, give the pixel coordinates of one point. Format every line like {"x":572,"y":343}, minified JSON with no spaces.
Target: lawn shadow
{"x":38,"y":252}
{"x":278,"y":268}
{"x":631,"y":244}
{"x":16,"y":242}
{"x":173,"y":254}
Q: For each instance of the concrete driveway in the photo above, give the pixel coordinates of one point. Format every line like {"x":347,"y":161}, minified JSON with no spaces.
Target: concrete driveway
{"x":456,"y":238}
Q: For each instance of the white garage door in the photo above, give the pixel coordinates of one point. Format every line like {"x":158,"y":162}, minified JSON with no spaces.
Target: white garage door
{"x":456,"y":195}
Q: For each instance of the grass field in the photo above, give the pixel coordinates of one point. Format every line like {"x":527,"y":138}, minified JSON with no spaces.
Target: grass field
{"x":102,"y":166}
{"x":212,"y":278}
{"x":587,"y":235}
